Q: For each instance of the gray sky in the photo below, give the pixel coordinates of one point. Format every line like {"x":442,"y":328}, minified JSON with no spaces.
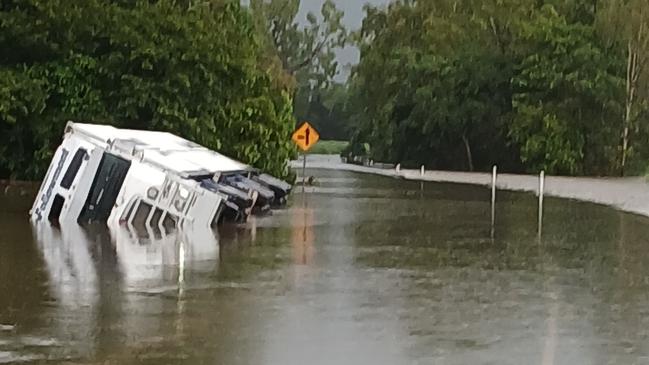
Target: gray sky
{"x":353,"y":18}
{"x":353,"y":9}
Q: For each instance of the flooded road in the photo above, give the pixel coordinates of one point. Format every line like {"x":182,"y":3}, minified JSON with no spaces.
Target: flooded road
{"x":364,"y":270}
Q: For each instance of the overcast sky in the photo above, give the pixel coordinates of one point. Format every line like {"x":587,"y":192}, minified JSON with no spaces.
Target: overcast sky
{"x":353,"y":18}
{"x":353,"y":9}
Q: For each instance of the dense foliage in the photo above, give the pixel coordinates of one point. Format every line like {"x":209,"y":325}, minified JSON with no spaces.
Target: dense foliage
{"x":453,"y":84}
{"x":188,"y":67}
{"x":524,"y":84}
{"x":302,"y":53}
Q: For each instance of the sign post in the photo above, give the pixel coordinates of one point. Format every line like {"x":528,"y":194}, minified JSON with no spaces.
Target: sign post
{"x":303,"y":171}
{"x":305,"y":137}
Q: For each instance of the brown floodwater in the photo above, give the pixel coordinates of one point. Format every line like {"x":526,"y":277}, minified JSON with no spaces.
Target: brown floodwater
{"x":360,"y":270}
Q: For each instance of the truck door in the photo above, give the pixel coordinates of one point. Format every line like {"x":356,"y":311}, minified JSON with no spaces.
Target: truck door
{"x":105,"y":188}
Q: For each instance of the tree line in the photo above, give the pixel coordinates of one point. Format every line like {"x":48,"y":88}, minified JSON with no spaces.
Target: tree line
{"x":194,"y":68}
{"x":451,"y":84}
{"x":525,"y":84}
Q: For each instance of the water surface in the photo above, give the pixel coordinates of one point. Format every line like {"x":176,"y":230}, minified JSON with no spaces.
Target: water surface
{"x":360,"y":270}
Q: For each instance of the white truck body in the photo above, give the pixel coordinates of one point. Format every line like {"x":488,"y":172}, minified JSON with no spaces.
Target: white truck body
{"x":138,"y":178}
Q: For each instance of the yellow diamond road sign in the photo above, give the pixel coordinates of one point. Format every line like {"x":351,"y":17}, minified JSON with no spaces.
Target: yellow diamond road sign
{"x":305,"y":137}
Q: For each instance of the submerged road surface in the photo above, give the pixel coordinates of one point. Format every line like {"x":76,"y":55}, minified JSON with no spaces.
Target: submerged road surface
{"x":630,"y":194}
{"x":362,"y":269}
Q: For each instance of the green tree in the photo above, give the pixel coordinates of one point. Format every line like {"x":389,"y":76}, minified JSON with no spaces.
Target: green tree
{"x":328,"y":112}
{"x":303,"y":55}
{"x":164,"y":65}
{"x":526,"y":84}
{"x":625,"y":27}
{"x":566,"y":94}
{"x":306,"y":53}
{"x":444,"y":86}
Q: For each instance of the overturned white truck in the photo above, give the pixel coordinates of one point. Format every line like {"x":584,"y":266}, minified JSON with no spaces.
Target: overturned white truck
{"x":148,"y":179}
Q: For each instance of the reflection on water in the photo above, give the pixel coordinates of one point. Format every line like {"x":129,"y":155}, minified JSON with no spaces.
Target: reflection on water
{"x":363,"y":270}
{"x":303,"y":235}
{"x":98,"y":278}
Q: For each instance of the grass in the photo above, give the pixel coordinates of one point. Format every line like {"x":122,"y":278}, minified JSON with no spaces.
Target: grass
{"x":328,"y":147}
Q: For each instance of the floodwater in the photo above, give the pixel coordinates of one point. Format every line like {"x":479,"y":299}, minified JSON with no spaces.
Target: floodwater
{"x":363,"y":270}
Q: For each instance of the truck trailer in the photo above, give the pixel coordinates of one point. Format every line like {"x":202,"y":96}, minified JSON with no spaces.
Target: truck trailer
{"x":150,"y":180}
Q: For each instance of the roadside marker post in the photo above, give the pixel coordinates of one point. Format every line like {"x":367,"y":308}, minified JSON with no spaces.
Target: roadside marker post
{"x":304,"y":171}
{"x":541,"y":193}
{"x":305,"y":137}
{"x":494,"y":177}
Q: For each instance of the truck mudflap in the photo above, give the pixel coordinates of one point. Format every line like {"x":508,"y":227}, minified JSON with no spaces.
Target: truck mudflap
{"x":279,"y":187}
{"x":265,"y":197}
{"x":238,"y":204}
{"x":233,"y":213}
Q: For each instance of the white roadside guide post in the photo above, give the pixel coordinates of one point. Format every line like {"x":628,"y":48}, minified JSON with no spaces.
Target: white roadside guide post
{"x":421,"y":181}
{"x":541,"y":193}
{"x":494,"y":177}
